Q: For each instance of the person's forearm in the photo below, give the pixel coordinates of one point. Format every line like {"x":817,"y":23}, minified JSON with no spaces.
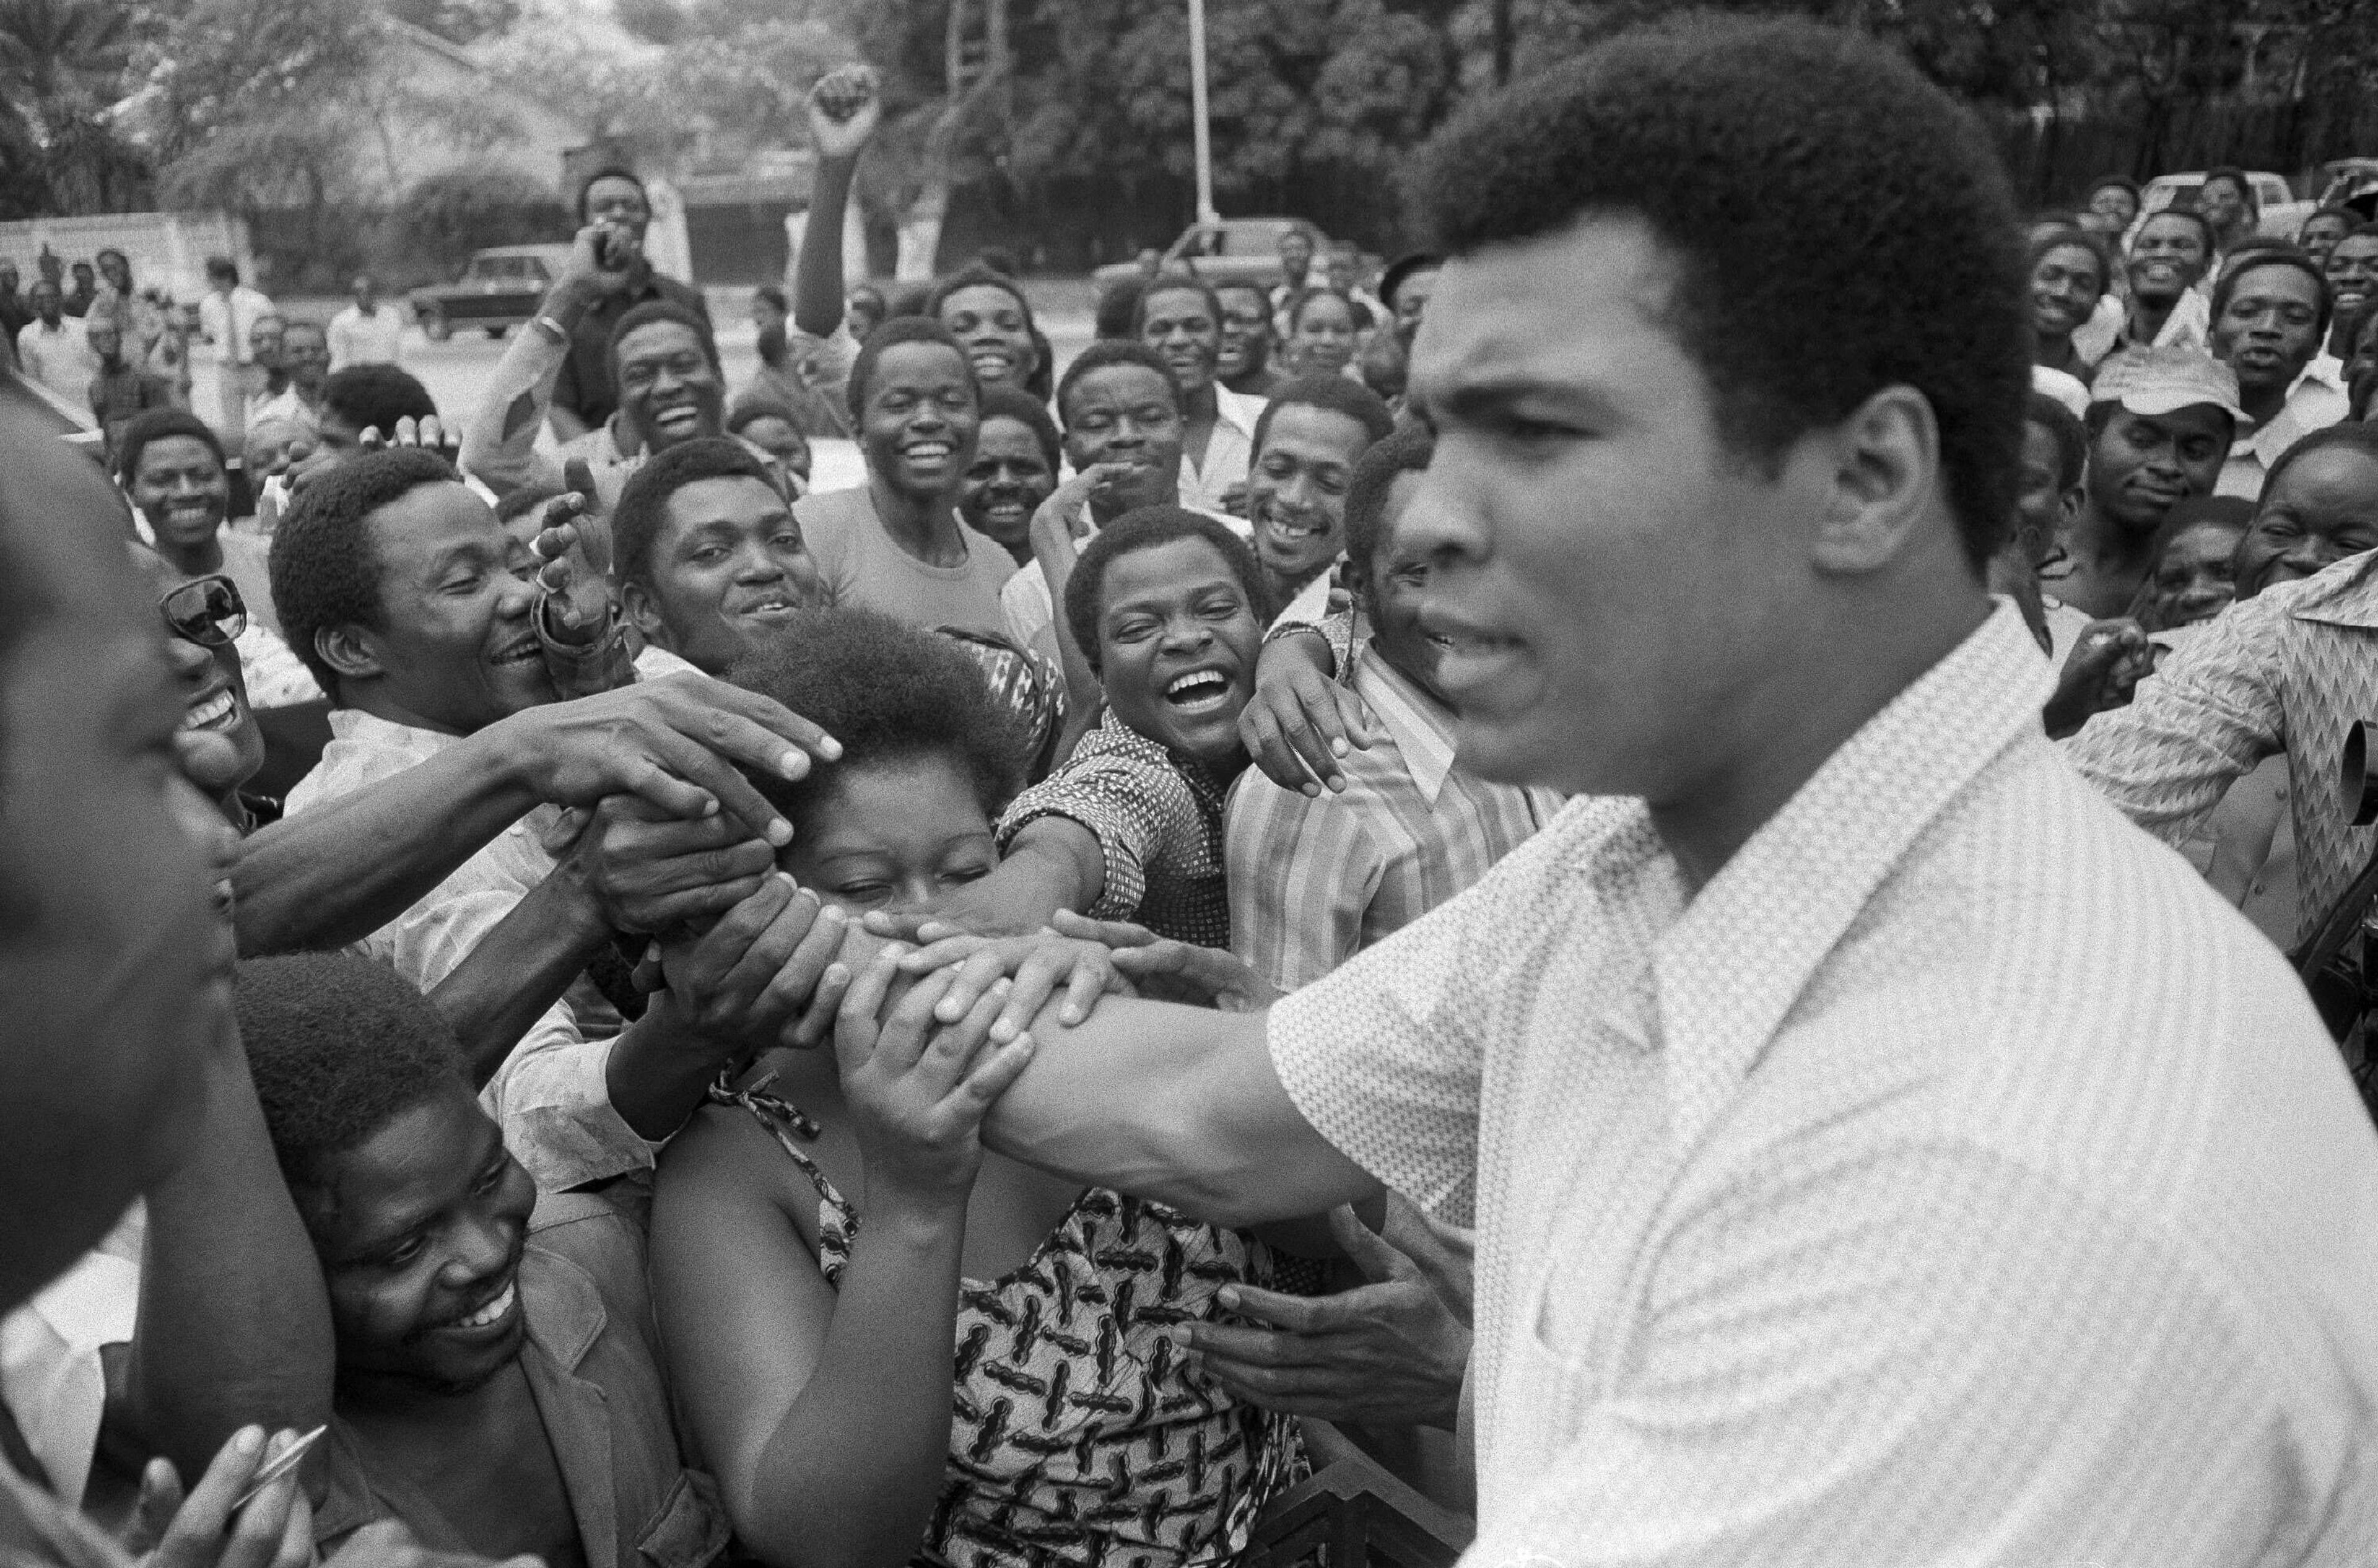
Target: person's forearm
{"x":1054,"y":863}
{"x":338,"y":873}
{"x":567,"y":425}
{"x":1054,"y":555}
{"x":499,"y":440}
{"x":234,"y":1323}
{"x":518,"y":970}
{"x":1178,"y":1104}
{"x":659,"y":1068}
{"x":817,"y":276}
{"x":850,"y":1477}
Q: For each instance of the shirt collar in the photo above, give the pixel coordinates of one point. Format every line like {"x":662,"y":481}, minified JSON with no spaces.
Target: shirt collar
{"x":1795,"y":888}
{"x":386,"y":734}
{"x":1421,"y":727}
{"x":1237,"y":410}
{"x":2344,"y":594}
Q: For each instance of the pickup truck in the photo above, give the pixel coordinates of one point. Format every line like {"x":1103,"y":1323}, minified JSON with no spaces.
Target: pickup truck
{"x":497,"y":290}
{"x":1235,"y":250}
{"x":2280,"y":214}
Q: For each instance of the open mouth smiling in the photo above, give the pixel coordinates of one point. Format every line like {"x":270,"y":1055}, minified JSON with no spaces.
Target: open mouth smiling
{"x":1199,"y":690}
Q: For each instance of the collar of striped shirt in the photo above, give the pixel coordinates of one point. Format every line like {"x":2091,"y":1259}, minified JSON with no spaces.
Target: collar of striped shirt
{"x":1421,"y":727}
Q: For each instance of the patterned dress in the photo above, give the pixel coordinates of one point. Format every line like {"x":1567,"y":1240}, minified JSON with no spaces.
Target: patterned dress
{"x":1078,"y":1436}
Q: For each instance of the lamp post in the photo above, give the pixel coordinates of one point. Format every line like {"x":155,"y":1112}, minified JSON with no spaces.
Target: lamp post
{"x":1206,"y":214}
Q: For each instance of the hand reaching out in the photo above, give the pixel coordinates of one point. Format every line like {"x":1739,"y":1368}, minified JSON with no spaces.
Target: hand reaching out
{"x":919,"y":1088}
{"x":1300,"y":722}
{"x":845,"y":110}
{"x":205,"y":1529}
{"x":2108,"y":660}
{"x":1033,"y":968}
{"x":675,"y":743}
{"x":1166,"y":970}
{"x":1391,"y":1351}
{"x":573,"y":587}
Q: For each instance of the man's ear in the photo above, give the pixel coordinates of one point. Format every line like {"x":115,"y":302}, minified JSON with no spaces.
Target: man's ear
{"x":348,"y":649}
{"x":637,"y":606}
{"x":1886,"y":482}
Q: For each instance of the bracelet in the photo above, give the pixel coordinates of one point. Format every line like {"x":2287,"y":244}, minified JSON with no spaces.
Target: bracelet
{"x":552,"y":329}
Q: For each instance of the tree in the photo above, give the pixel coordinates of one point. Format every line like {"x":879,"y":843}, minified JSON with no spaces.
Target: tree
{"x":62,"y":65}
{"x":947,"y":70}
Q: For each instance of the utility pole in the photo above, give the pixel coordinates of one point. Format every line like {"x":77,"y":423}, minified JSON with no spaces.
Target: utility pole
{"x":1206,"y":214}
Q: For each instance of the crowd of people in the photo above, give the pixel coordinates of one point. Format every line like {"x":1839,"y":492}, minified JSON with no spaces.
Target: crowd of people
{"x":1532,"y":879}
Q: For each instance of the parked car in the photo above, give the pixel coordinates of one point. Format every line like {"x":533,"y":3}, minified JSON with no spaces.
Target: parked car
{"x":2281,"y":214}
{"x":1234,"y":250}
{"x":2351,"y":183}
{"x":498,"y":289}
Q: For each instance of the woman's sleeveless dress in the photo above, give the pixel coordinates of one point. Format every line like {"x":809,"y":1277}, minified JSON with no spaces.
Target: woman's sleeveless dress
{"x":1077,"y":1435}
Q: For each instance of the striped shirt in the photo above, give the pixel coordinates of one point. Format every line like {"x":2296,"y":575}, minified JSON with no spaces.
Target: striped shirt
{"x":1315,"y":880}
{"x":2289,"y":670}
{"x":1158,"y":819}
{"x":1954,"y":1179}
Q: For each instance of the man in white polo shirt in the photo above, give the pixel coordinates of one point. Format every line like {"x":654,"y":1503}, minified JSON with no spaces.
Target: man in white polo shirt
{"x":1881,"y":1153}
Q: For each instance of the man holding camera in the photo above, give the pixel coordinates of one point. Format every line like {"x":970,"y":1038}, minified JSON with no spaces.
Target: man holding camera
{"x":614,"y":201}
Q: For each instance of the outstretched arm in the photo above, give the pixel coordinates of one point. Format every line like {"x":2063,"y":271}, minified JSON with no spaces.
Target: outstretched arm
{"x":499,"y":442}
{"x":340,"y":872}
{"x":235,"y":1326}
{"x":844,"y":112}
{"x":1179,"y":1104}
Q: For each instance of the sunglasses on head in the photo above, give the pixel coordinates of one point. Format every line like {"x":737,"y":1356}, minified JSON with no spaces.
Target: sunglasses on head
{"x":205,"y":610}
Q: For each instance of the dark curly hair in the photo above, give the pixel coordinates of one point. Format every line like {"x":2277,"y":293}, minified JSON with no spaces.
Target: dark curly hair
{"x":339,"y":1047}
{"x":374,"y":397}
{"x":156,"y":424}
{"x":1149,"y":528}
{"x":1105,"y":355}
{"x":887,"y":691}
{"x":1014,"y":402}
{"x":654,"y":310}
{"x":643,"y":500}
{"x":2071,"y":438}
{"x":896,"y":332}
{"x":325,"y":569}
{"x":1838,"y":225}
{"x":2186,"y":215}
{"x":2276,"y":254}
{"x":975,"y":275}
{"x":1174,"y":285}
{"x":1336,"y":394}
{"x":1407,"y":450}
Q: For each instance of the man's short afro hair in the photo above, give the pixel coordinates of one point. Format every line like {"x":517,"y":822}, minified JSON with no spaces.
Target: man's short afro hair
{"x":888,"y":691}
{"x":374,"y":397}
{"x":1105,"y":355}
{"x":1014,"y":402}
{"x":339,"y":1046}
{"x":643,"y":500}
{"x":1151,"y":528}
{"x":156,"y":424}
{"x":1334,"y":393}
{"x":650,"y":311}
{"x":325,"y":569}
{"x":1407,"y":450}
{"x":897,"y":331}
{"x":1839,"y":226}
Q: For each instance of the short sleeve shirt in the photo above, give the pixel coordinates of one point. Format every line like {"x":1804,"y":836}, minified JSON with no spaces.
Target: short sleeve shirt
{"x":863,"y":568}
{"x":1954,"y":1178}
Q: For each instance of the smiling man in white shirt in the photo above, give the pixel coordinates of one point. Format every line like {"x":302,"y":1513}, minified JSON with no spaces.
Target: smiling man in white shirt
{"x":1880,"y":1152}
{"x":414,"y":609}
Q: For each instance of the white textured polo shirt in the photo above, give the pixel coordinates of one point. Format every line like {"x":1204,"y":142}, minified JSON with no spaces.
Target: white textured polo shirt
{"x":1954,"y":1180}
